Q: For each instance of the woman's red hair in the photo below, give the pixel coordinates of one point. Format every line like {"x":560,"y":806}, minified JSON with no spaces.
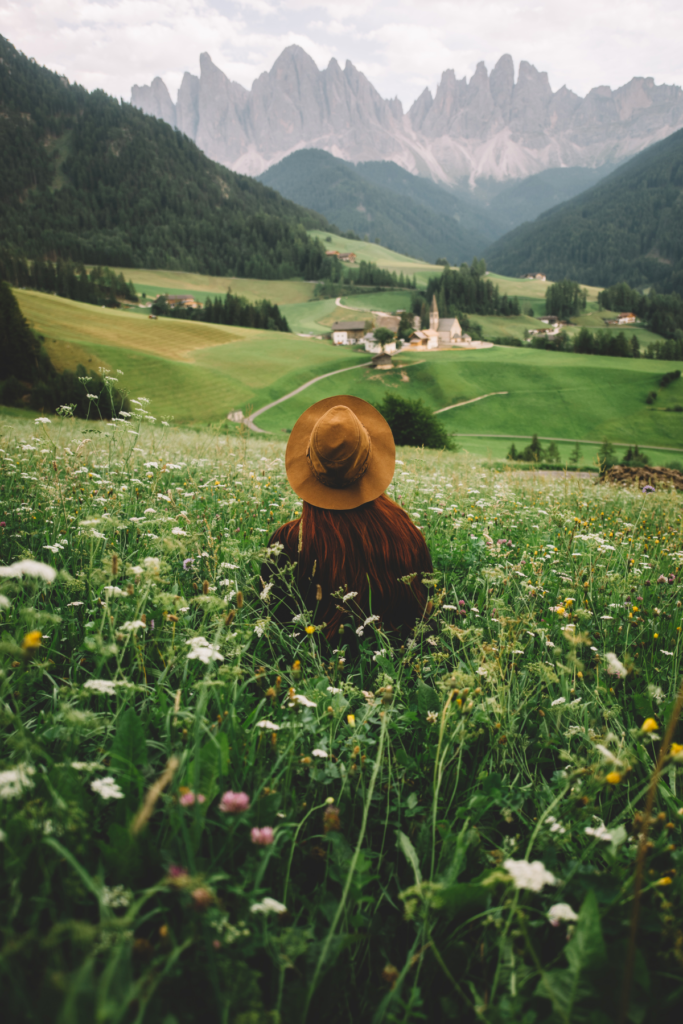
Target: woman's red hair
{"x":366,"y":549}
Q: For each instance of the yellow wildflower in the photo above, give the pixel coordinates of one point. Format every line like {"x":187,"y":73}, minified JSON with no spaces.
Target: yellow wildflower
{"x":351,"y":719}
{"x":649,"y":725}
{"x":32,"y":640}
{"x":666,"y":880}
{"x":310,"y":629}
{"x":614,"y":778}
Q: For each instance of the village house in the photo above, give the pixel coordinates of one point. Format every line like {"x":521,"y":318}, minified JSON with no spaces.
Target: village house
{"x":534,"y":277}
{"x":622,"y":318}
{"x":346,"y":332}
{"x":185,"y":301}
{"x":382,"y":361}
{"x":391,"y":323}
{"x":421,"y":341}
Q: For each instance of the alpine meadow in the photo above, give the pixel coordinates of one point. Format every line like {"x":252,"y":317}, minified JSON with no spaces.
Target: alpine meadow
{"x":209,"y":811}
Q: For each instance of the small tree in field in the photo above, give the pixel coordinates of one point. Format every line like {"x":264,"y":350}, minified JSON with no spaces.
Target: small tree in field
{"x":412,"y":423}
{"x":383,"y":335}
{"x":606,"y":456}
{"x":575,"y":455}
{"x":553,"y":453}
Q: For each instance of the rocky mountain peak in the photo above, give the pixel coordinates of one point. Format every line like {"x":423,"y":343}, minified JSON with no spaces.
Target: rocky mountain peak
{"x":494,"y":125}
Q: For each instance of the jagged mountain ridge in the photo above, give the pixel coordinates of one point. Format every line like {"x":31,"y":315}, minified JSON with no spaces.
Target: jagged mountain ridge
{"x":491,"y":127}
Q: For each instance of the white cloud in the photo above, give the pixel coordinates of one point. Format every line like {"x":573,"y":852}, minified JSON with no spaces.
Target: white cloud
{"x":401,"y":45}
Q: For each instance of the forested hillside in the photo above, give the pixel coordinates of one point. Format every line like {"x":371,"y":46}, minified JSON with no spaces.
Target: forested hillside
{"x":627,"y":228}
{"x":381,"y":201}
{"x":85,"y":178}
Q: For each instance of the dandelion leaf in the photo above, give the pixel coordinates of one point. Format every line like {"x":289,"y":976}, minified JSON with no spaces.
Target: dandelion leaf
{"x":573,"y":992}
{"x":427,"y":699}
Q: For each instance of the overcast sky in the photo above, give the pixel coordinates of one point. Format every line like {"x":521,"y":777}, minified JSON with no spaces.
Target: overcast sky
{"x":401,"y":45}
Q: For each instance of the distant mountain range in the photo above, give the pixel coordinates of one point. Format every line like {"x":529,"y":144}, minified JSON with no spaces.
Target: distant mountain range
{"x":495,"y":126}
{"x":629,"y":227}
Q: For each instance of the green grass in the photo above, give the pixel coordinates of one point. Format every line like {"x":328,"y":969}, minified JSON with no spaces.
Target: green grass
{"x":550,"y":393}
{"x":496,"y":738}
{"x":197,"y":373}
{"x":387,"y":259}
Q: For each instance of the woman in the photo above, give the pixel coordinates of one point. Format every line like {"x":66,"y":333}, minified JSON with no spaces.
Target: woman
{"x":354,"y":553}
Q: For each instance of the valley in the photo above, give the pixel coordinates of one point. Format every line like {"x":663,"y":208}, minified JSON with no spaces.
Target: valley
{"x":195,"y":373}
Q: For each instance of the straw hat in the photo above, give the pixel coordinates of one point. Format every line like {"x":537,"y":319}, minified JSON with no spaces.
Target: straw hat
{"x":340,"y":453}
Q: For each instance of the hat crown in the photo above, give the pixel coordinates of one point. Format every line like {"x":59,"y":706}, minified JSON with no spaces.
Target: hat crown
{"x":339,"y":448}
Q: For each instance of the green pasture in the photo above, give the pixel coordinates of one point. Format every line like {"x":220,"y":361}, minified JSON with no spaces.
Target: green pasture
{"x":550,"y":393}
{"x":201,"y":286}
{"x":384,"y":258}
{"x":197,"y":373}
{"x":311,"y":317}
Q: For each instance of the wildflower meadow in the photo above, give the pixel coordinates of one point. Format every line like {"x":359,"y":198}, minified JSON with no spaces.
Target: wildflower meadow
{"x":210,"y":815}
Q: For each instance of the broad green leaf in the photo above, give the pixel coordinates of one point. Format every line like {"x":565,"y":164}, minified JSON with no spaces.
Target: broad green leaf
{"x":410,"y":854}
{"x":427,"y":699}
{"x":129,"y":746}
{"x":587,"y":947}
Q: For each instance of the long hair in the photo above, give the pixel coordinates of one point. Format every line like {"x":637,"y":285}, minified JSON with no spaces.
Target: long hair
{"x":367,"y":550}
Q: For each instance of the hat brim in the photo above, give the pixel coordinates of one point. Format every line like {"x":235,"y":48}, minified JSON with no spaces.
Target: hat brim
{"x":375,"y":479}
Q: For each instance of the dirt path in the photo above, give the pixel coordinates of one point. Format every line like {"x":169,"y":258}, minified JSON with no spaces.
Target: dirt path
{"x":249,"y":420}
{"x":469,"y":402}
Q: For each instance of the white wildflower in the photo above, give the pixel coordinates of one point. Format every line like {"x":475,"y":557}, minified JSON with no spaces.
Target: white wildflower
{"x":42,"y":419}
{"x":178,"y":532}
{"x":319,"y":753}
{"x":14,"y":781}
{"x":4,"y":601}
{"x":265,"y":724}
{"x":614,"y":666}
{"x":268,"y":906}
{"x":350,"y":596}
{"x":333,"y":689}
{"x":669,"y":654}
{"x":264,"y":595}
{"x":74,"y":604}
{"x":559,"y":700}
{"x":483,"y":672}
{"x":561,"y":912}
{"x":529,"y":875}
{"x":107,"y":788}
{"x":116,"y":896}
{"x":133,"y":625}
{"x":371,"y":618}
{"x":202,"y":650}
{"x":600,"y":832}
{"x":450,"y":607}
{"x":298,"y":698}
{"x":28,"y":567}
{"x":114,"y":592}
{"x":105,"y":686}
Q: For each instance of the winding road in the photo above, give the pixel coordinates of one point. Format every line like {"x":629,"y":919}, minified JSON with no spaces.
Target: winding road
{"x":249,"y":420}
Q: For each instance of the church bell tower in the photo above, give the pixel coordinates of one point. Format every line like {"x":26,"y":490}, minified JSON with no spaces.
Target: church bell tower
{"x":434,"y":315}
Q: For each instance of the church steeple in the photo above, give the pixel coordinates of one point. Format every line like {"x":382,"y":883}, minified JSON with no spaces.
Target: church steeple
{"x":434,"y":315}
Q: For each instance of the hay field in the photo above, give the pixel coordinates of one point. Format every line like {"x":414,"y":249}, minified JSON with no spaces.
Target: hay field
{"x":202,"y":285}
{"x":192,"y":372}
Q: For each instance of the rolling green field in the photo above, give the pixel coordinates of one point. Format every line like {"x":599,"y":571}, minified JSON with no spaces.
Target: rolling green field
{"x":550,"y":393}
{"x":384,"y":258}
{"x":197,"y":373}
{"x":174,"y":282}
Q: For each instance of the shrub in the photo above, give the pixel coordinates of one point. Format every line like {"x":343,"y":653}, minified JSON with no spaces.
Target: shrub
{"x":413,"y":424}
